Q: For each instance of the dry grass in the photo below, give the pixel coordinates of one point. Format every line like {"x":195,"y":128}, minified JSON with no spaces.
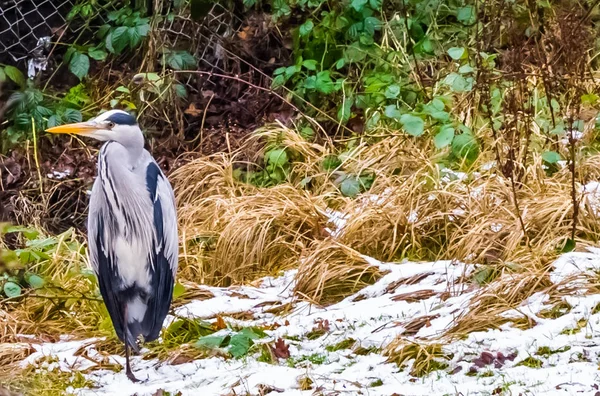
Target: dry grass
{"x":330,"y":271}
{"x":234,"y":232}
{"x":424,"y":358}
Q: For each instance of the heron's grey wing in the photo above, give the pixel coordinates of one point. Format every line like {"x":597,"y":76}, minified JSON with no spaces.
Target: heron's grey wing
{"x":163,"y":256}
{"x":101,"y":226}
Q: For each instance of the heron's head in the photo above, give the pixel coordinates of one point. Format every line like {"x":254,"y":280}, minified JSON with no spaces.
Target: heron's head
{"x":116,"y":125}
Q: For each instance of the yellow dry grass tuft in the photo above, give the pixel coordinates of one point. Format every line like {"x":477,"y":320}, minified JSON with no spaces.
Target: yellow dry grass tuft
{"x":330,"y":271}
{"x":233,"y":232}
{"x":422,"y":357}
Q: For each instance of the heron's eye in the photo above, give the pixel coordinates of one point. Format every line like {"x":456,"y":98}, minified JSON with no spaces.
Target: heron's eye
{"x":110,"y":125}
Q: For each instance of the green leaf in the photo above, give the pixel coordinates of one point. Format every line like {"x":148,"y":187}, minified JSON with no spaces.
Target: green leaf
{"x":72,"y":115}
{"x":371,"y":24}
{"x":15,"y":75}
{"x":340,"y":63}
{"x":279,"y":70}
{"x":210,"y":341}
{"x":134,"y":37}
{"x":345,"y":110}
{"x":306,"y":28}
{"x":392,"y":91}
{"x":180,"y":60}
{"x":28,"y":233}
{"x":424,"y":46}
{"x":457,"y":53}
{"x":11,"y":289}
{"x":79,"y":65}
{"x":331,"y":162}
{"x":465,"y":69}
{"x":444,"y":136}
{"x":358,"y":5}
{"x":35,"y":281}
{"x":2,"y":75}
{"x":551,"y":157}
{"x":118,"y":38}
{"x":97,"y":54}
{"x":240,"y":344}
{"x":392,"y":111}
{"x":310,"y":64}
{"x":323,"y":83}
{"x":457,"y":82}
{"x":412,"y":124}
{"x":465,"y":146}
{"x":277,"y":157}
{"x":350,"y":187}
{"x":180,"y":91}
{"x":178,"y":290}
{"x":466,"y":15}
{"x":569,"y":246}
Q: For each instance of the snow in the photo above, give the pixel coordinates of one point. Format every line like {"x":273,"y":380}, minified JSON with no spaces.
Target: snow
{"x":437,"y":292}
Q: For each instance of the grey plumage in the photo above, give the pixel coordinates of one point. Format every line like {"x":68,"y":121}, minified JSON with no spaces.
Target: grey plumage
{"x":132,"y":229}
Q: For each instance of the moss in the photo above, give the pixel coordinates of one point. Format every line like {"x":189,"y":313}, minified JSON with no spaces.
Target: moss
{"x":344,"y":344}
{"x":531,"y":362}
{"x":547,"y":351}
{"x":556,"y":311}
{"x":376,"y":383}
{"x":315,"y":358}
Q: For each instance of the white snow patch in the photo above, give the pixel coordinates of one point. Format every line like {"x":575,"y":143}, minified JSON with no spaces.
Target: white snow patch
{"x":434,"y":294}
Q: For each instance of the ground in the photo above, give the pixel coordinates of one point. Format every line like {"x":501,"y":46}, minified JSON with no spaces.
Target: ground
{"x":340,"y":349}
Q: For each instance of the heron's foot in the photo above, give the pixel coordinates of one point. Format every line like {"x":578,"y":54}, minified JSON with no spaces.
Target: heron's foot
{"x":130,"y":375}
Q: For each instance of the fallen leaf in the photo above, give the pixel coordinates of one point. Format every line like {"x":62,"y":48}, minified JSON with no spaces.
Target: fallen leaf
{"x":219,"y":324}
{"x":281,"y":350}
{"x":192,"y":110}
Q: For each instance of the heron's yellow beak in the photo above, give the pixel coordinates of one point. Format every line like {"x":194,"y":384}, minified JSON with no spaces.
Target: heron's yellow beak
{"x":78,"y":128}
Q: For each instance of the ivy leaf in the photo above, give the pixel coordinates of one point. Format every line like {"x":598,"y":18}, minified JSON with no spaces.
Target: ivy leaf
{"x":457,"y":53}
{"x":392,"y":91}
{"x":79,"y":65}
{"x":35,"y":281}
{"x":412,"y":124}
{"x":310,"y":64}
{"x":15,"y":75}
{"x":358,"y":5}
{"x":444,"y":136}
{"x":466,"y":15}
{"x":350,"y":187}
{"x":97,"y":54}
{"x":118,"y":38}
{"x":11,"y":289}
{"x":306,"y":28}
{"x":392,"y":111}
{"x":551,"y":157}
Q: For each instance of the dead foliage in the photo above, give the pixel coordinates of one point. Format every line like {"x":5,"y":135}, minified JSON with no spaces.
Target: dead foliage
{"x":330,"y":271}
{"x":234,"y":232}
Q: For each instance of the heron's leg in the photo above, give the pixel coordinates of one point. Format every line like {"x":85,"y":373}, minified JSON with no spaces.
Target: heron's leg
{"x":128,"y":371}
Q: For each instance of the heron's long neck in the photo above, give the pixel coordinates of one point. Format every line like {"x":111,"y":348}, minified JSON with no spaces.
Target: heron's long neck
{"x":134,"y":146}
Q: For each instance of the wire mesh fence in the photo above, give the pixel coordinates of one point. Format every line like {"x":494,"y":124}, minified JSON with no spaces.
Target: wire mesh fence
{"x":26,"y":26}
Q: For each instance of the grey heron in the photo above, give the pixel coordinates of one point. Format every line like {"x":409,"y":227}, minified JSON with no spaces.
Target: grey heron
{"x":132,"y":229}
